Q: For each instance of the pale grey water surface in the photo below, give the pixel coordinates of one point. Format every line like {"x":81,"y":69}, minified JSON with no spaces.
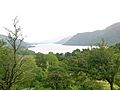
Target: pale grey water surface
{"x":55,"y":48}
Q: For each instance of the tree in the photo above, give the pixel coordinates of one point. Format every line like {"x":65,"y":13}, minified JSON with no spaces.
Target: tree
{"x":30,"y":71}
{"x":46,"y":60}
{"x":58,"y":78}
{"x":11,"y":63}
{"x":103,"y":64}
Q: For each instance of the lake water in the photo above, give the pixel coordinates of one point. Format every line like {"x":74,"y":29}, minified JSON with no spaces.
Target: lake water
{"x":55,"y":48}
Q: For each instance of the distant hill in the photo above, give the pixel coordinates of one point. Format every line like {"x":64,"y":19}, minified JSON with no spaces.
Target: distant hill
{"x":111,"y":35}
{"x":4,"y":38}
{"x":64,"y":40}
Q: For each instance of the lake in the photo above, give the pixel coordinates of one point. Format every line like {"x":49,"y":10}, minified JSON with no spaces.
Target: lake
{"x":55,"y":48}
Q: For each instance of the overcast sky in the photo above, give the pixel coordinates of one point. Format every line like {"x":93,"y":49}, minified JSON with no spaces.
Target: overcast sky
{"x":50,"y":19}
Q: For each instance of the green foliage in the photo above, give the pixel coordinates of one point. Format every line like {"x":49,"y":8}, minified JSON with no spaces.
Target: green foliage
{"x":40,"y":60}
{"x":103,"y":64}
{"x":51,"y":59}
{"x":46,"y":60}
{"x":88,"y":69}
{"x":25,"y":51}
{"x":58,"y":78}
{"x":60,"y":56}
{"x":5,"y":55}
{"x":54,"y":75}
{"x":15,"y":69}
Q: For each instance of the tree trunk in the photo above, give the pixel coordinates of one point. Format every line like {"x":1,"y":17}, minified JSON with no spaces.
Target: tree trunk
{"x":56,"y":86}
{"x":111,"y":81}
{"x":111,"y":86}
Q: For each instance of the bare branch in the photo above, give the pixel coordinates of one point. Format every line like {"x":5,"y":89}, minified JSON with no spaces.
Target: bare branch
{"x":13,"y":68}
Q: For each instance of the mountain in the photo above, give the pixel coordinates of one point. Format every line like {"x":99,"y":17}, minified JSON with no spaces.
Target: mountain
{"x":64,"y":40}
{"x":111,"y":35}
{"x":4,"y":38}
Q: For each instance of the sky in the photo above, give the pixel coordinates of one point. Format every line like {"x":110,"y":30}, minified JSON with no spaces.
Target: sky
{"x":43,"y":20}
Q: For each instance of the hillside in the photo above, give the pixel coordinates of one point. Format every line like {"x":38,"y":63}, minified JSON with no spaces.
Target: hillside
{"x":111,"y":35}
{"x":64,"y":40}
{"x":4,"y":38}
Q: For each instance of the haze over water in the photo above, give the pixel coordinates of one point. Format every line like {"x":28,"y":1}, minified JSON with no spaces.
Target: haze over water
{"x":55,"y":48}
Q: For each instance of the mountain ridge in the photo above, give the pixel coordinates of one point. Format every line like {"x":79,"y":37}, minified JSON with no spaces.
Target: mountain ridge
{"x":4,"y":38}
{"x":110,"y":34}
